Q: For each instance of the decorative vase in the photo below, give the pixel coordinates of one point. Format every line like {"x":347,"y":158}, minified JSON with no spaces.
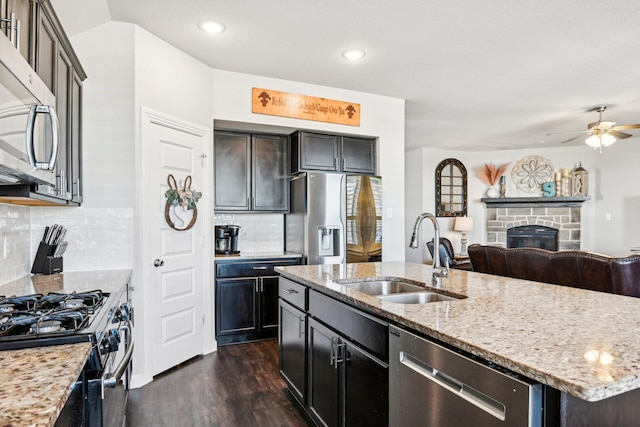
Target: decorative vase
{"x":493,"y":192}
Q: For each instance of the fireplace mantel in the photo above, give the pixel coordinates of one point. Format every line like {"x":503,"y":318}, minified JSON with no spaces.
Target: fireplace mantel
{"x":534,"y":202}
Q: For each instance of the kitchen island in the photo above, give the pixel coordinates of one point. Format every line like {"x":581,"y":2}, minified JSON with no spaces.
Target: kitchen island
{"x":582,"y":343}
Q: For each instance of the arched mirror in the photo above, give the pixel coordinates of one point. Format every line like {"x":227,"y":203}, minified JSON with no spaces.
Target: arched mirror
{"x":451,"y":188}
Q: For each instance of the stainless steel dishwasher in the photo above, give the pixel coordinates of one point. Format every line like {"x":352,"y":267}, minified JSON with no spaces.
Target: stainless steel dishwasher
{"x":430,"y":385}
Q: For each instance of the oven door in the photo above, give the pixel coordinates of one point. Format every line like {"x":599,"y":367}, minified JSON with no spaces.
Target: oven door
{"x":108,"y":394}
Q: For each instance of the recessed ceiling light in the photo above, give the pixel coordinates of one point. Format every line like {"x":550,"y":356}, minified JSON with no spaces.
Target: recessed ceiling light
{"x":212,"y":27}
{"x":353,"y":54}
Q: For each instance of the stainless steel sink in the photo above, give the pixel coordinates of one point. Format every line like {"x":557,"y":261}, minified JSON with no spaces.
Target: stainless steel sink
{"x":384,"y":287}
{"x":416,"y":298}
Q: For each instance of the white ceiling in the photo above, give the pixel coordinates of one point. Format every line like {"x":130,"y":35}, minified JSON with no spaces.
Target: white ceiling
{"x":475,"y":75}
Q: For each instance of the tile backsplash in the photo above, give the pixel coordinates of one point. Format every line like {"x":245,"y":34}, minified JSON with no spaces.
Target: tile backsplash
{"x":15,"y":249}
{"x":258,"y":232}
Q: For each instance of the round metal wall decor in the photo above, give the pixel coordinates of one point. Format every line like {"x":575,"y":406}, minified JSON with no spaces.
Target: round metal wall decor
{"x":529,"y":173}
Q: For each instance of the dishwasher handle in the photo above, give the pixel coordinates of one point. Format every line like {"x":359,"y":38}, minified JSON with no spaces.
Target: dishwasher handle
{"x":464,"y":391}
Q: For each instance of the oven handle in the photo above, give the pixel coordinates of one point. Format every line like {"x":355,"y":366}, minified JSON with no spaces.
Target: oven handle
{"x":112,"y":379}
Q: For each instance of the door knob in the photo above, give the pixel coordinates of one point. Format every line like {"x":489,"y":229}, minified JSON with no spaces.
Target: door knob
{"x":158,"y":262}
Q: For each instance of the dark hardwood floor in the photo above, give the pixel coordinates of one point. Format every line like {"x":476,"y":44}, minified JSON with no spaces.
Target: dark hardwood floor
{"x":238,"y":385}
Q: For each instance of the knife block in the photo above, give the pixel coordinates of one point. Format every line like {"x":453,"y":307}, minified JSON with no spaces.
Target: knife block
{"x":45,"y":262}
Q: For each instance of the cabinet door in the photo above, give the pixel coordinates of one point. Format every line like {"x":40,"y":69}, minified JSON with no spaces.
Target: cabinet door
{"x":270,"y":177}
{"x":269,"y":304}
{"x":236,"y":306}
{"x":232,"y":171}
{"x":323,"y":395}
{"x":359,"y":155}
{"x":46,"y":51}
{"x":291,"y":340}
{"x":23,"y":10}
{"x":319,"y":152}
{"x":366,"y":391}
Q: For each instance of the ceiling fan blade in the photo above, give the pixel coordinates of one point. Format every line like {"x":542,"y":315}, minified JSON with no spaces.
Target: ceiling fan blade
{"x":626,"y":127}
{"x":571,"y":139}
{"x":619,"y":135}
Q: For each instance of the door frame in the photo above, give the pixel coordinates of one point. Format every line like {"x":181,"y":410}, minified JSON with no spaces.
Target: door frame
{"x":142,"y":295}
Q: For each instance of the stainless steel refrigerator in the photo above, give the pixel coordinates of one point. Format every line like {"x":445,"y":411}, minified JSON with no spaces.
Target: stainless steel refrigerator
{"x":335,"y":218}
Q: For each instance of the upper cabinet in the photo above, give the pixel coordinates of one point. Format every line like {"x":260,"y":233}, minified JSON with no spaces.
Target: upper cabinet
{"x":251,"y":172}
{"x":332,"y":153}
{"x":17,"y":17}
{"x":57,"y":64}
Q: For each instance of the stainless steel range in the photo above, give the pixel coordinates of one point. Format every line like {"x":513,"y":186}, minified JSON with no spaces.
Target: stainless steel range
{"x":72,"y":316}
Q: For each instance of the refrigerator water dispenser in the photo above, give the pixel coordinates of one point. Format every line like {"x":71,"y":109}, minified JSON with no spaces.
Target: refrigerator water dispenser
{"x":328,"y":241}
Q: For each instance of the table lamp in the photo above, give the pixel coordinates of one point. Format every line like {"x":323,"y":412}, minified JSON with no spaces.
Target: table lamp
{"x":463,"y":224}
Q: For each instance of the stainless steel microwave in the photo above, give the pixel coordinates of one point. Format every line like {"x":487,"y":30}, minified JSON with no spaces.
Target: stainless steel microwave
{"x":29,"y":132}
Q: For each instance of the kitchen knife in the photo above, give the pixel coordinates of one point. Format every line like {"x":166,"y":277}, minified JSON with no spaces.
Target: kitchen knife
{"x":50,"y":233}
{"x":44,"y":236}
{"x":64,"y":248}
{"x":60,"y":236}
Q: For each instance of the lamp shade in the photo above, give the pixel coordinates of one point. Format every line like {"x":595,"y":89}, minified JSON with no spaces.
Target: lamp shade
{"x":463,"y":223}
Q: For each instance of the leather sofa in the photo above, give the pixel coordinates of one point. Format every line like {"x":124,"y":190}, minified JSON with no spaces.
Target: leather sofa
{"x":578,"y":269}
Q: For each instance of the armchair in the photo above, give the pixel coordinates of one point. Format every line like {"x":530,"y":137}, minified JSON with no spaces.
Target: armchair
{"x":447,"y":255}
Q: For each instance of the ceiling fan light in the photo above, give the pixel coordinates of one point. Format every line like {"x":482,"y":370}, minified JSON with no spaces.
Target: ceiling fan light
{"x":593,"y":141}
{"x":607,"y":139}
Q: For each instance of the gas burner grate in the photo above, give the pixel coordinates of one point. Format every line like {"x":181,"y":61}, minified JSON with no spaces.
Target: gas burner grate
{"x":54,"y":300}
{"x":22,"y":303}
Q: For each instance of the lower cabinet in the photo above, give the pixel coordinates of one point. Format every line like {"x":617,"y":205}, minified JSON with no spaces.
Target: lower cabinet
{"x":347,"y":386}
{"x":292,"y":340}
{"x":247,"y":300}
{"x":333,"y":358}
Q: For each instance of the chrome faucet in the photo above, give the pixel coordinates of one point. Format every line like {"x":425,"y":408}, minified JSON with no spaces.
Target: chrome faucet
{"x":438,"y":271}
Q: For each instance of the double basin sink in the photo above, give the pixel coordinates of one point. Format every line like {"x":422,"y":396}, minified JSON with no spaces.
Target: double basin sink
{"x":397,"y":291}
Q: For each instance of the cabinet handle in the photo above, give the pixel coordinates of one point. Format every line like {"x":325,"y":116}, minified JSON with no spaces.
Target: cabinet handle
{"x":344,"y":163}
{"x":259,"y":268}
{"x":289,"y":291}
{"x":340,"y":352}
{"x":332,"y":356}
{"x":300,"y":328}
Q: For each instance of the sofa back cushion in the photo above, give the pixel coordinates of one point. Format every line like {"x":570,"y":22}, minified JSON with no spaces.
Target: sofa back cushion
{"x":578,"y":269}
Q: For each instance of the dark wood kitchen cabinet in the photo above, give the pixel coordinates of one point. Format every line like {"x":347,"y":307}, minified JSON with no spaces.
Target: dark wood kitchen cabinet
{"x":24,"y":12}
{"x":246,"y":303}
{"x":251,"y":172}
{"x":292,"y":337}
{"x":332,"y":153}
{"x":58,"y":66}
{"x":344,"y":381}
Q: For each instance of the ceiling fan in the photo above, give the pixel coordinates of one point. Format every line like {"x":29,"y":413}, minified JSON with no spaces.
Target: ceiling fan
{"x":602,"y":133}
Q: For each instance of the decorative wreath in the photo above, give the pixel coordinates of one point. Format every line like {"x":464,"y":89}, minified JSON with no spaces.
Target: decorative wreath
{"x":185,"y":198}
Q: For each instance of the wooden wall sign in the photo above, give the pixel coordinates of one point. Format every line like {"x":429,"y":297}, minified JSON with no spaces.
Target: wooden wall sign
{"x":283,"y":104}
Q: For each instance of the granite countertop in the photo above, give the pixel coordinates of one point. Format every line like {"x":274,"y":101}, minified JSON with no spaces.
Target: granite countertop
{"x":253,"y":256}
{"x":581,"y":342}
{"x":35,"y":382}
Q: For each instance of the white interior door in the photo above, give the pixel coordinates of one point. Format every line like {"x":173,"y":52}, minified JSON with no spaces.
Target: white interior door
{"x":176,"y":257}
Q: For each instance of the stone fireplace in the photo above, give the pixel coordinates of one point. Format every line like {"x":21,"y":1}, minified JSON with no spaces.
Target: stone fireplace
{"x":560,"y":213}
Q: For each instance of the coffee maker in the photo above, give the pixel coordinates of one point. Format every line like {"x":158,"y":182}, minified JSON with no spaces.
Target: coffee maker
{"x":227,"y":239}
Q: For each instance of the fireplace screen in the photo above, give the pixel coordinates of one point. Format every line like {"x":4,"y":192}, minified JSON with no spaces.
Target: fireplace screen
{"x":533,"y":236}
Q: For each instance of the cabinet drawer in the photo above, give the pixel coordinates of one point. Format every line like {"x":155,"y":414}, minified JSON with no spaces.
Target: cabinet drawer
{"x":251,"y":269}
{"x":361,"y":328}
{"x":294,"y":293}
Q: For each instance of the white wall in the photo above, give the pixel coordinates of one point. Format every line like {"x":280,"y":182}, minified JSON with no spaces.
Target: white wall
{"x":381,"y":116}
{"x":15,"y":259}
{"x":612,"y":186}
{"x":100,"y":232}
